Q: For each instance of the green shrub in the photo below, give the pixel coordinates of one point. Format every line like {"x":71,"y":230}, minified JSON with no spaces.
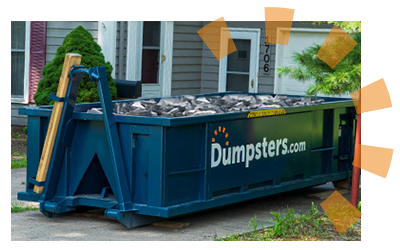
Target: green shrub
{"x":78,"y":41}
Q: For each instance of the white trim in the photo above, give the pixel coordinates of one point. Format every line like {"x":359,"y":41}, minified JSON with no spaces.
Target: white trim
{"x":134,"y":51}
{"x":25,"y":98}
{"x":241,"y":33}
{"x":278,"y":47}
{"x":306,"y":30}
{"x":107,"y":39}
{"x":166,"y":49}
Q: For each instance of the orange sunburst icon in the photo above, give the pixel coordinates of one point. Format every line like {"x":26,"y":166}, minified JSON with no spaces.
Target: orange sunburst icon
{"x":223,"y":131}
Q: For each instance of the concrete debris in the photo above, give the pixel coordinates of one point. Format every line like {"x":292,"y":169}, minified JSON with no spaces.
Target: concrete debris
{"x":95,"y":111}
{"x":206,"y":105}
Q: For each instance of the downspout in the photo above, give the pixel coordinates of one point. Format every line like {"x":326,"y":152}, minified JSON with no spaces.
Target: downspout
{"x":356,"y":169}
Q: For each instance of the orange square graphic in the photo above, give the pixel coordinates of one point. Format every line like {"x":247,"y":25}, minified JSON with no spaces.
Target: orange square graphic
{"x":375,"y":160}
{"x":336,"y":46}
{"x":275,"y":18}
{"x":375,"y":96}
{"x":340,"y":212}
{"x":218,"y":39}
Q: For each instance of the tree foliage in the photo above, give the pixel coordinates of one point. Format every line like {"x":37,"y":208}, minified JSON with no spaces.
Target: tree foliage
{"x":78,"y":41}
{"x":342,"y":79}
{"x":348,"y":26}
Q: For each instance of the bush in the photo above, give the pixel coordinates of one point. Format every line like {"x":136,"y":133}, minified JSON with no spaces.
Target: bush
{"x":78,"y":41}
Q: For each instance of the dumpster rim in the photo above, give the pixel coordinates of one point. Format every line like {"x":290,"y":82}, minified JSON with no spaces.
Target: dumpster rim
{"x":45,"y":111}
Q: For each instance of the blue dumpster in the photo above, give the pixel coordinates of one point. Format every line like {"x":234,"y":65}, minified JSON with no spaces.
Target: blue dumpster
{"x":171,"y":166}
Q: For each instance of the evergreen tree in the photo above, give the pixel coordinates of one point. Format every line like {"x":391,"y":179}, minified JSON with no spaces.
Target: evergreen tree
{"x":342,"y":79}
{"x":78,"y":41}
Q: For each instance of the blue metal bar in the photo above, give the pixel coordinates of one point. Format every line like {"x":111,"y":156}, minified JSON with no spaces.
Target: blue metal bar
{"x":116,"y":175}
{"x":322,"y":149}
{"x":76,"y":69}
{"x":187,"y":171}
{"x":59,"y":148}
{"x":35,"y":182}
{"x":53,"y":97}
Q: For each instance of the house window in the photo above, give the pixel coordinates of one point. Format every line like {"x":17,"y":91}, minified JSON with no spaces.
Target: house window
{"x":151,"y":52}
{"x":18,"y":37}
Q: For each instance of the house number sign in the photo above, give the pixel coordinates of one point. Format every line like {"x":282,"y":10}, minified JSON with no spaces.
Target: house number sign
{"x":266,"y":58}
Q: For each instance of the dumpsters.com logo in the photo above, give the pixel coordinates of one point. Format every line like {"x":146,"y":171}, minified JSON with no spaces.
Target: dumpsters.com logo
{"x":229,"y":155}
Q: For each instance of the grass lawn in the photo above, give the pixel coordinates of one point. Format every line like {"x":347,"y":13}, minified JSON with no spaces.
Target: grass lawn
{"x":18,"y":162}
{"x":16,"y":208}
{"x":292,"y":226}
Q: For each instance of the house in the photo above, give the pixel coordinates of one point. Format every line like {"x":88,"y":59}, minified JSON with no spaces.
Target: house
{"x":170,"y":58}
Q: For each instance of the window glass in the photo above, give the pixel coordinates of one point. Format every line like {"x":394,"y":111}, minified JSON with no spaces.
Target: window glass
{"x":151,"y":52}
{"x":238,"y":68}
{"x":17,"y":58}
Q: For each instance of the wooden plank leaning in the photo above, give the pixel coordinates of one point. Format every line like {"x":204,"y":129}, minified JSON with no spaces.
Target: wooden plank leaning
{"x":70,"y":60}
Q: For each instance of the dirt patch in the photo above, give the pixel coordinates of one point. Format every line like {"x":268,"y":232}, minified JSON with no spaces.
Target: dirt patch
{"x":18,"y":141}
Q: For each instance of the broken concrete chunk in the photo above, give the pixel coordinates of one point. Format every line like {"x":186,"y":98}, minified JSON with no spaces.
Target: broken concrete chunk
{"x":202,"y":100}
{"x":137,"y":105}
{"x":95,"y":111}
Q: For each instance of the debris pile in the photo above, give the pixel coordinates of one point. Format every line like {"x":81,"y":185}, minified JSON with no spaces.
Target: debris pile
{"x":206,"y":105}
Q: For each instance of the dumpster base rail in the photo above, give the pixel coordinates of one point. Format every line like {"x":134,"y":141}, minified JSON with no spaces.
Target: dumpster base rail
{"x":67,"y":205}
{"x":144,"y":214}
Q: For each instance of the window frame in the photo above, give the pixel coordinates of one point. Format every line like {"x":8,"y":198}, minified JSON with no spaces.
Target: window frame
{"x":252,"y":34}
{"x":25,"y":98}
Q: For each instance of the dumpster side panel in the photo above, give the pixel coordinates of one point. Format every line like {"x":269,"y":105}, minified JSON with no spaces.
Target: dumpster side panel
{"x":147,"y":145}
{"x":254,"y":153}
{"x":85,"y":171}
{"x":322,"y":141}
{"x":140,"y":152}
{"x":184,"y":164}
{"x":36,"y":134}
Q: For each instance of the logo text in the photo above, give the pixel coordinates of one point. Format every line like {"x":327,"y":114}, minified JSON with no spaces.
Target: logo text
{"x":249,"y":152}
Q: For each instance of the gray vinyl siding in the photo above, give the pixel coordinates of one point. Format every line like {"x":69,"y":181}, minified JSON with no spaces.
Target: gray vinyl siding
{"x":187,"y":59}
{"x":58,"y":30}
{"x":16,"y":119}
{"x":210,"y":71}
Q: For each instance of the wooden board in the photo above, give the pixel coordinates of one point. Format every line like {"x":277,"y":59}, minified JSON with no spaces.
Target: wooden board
{"x":70,"y":60}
